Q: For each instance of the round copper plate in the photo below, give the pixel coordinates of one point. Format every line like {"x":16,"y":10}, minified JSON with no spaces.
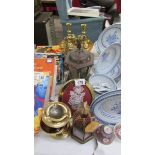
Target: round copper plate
{"x":73,"y":95}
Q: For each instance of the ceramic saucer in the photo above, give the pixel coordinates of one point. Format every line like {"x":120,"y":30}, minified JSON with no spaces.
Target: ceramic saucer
{"x":102,"y":83}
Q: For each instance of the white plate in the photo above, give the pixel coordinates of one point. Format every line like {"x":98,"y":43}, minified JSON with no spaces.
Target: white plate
{"x":96,"y":47}
{"x":119,"y":85}
{"x":107,"y":107}
{"x":102,"y":82}
{"x":108,"y":59}
{"x":114,"y":73}
{"x":110,"y":35}
{"x":111,"y":106}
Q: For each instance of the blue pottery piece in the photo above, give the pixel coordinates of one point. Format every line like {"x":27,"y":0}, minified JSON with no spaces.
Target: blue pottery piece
{"x":107,"y":107}
{"x":108,"y":60}
{"x":102,"y":83}
{"x":110,"y":35}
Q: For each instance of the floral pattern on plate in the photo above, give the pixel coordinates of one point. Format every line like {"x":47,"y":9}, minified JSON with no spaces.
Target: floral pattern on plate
{"x":110,"y":35}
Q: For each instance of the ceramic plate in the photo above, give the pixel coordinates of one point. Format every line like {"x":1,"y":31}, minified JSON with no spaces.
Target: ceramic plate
{"x":102,"y":96}
{"x":115,"y":72}
{"x":73,"y":95}
{"x":108,"y":117}
{"x":119,"y":85}
{"x":102,"y":83}
{"x":111,"y":106}
{"x":110,"y":35}
{"x":109,"y":59}
{"x":96,"y":47}
{"x":107,"y":107}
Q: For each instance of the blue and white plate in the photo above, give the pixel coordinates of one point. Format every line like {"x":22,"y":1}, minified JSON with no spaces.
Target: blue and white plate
{"x":102,"y":83}
{"x":114,"y":112}
{"x":96,"y":47}
{"x":107,"y":95}
{"x":110,"y":35}
{"x":115,"y":72}
{"x":119,"y":85}
{"x":108,"y":59}
{"x":107,"y":107}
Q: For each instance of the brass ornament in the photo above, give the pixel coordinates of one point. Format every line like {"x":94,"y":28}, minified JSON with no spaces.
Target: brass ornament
{"x":69,"y":42}
{"x":56,"y":119}
{"x":86,"y":43}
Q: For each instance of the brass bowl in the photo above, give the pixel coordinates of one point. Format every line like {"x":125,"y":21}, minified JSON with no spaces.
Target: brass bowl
{"x":57,"y":133}
{"x":56,"y":115}
{"x":64,"y":133}
{"x":50,"y":130}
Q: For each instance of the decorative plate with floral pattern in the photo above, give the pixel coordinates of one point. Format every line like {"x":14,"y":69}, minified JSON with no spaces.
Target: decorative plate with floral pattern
{"x":107,"y":107}
{"x":110,"y":35}
{"x":108,"y":59}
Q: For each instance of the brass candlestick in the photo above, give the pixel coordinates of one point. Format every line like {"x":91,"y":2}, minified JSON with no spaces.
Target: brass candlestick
{"x":69,"y":42}
{"x":85,"y":41}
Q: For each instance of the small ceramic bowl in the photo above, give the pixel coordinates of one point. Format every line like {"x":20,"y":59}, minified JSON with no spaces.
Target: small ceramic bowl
{"x":117,"y":131}
{"x":104,"y":134}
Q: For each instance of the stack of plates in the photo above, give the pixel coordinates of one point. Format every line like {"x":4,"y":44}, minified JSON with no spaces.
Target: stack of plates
{"x":107,"y":107}
{"x":109,"y":49}
{"x":105,"y":72}
{"x":108,"y":62}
